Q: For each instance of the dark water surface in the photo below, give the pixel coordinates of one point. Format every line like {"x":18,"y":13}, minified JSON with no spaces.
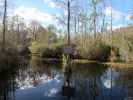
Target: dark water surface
{"x":37,"y":80}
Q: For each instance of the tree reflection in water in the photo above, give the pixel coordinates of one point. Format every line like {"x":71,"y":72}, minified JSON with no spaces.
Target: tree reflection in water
{"x":82,"y":81}
{"x":67,"y":89}
{"x":7,"y":85}
{"x":33,"y":79}
{"x":86,"y":78}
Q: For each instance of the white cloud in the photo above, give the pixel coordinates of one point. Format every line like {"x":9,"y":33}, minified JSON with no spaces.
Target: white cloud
{"x":129,"y":17}
{"x":65,"y":13}
{"x":50,"y":3}
{"x":115,"y":13}
{"x":119,"y":18}
{"x":115,"y":27}
{"x":46,"y":1}
{"x":1,"y":3}
{"x":30,"y":14}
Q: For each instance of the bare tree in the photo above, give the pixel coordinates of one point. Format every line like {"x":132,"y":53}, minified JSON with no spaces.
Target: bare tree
{"x":67,"y":6}
{"x":68,"y":21}
{"x":4,"y":24}
{"x":34,"y":25}
{"x":94,"y":15}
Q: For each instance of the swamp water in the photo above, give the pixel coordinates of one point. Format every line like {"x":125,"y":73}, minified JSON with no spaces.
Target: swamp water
{"x":37,"y":80}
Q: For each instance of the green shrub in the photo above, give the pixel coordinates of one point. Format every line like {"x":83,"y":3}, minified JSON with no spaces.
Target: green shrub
{"x":99,"y":52}
{"x":52,"y":53}
{"x":8,"y":58}
{"x":24,"y":51}
{"x":94,"y":51}
{"x":37,"y":47}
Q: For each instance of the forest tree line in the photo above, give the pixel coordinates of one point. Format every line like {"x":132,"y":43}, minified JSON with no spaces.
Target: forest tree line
{"x":85,"y":28}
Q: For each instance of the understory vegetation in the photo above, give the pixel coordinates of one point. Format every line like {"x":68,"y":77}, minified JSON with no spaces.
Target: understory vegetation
{"x":117,"y":48}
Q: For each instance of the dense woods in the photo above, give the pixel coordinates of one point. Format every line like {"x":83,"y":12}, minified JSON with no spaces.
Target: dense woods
{"x":84,"y":28}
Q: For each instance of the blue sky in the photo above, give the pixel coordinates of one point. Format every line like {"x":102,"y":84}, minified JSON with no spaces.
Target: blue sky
{"x":122,"y":10}
{"x":45,"y":10}
{"x":42,"y":5}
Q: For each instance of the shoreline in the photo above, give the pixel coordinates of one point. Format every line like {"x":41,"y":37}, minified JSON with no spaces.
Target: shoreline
{"x":111,"y":64}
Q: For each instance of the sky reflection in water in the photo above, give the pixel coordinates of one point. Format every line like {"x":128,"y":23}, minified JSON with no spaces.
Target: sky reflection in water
{"x":39,"y":81}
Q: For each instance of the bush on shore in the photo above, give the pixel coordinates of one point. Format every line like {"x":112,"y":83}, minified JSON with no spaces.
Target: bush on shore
{"x":95,"y":51}
{"x":24,"y":51}
{"x":52,"y":52}
{"x":9,"y":58}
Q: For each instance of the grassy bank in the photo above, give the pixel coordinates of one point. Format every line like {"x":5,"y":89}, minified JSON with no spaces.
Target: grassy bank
{"x":119,"y":64}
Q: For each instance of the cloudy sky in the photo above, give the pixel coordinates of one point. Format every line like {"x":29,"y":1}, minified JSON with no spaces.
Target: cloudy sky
{"x":45,"y":10}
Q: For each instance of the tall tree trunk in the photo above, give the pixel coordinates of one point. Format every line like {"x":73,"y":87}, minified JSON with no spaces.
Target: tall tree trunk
{"x":4,"y":25}
{"x":78,"y":29}
{"x":18,"y":34}
{"x":85,"y":32}
{"x":94,"y":21}
{"x":75,"y":25}
{"x":68,"y":22}
{"x":111,"y":28}
{"x":34,"y":34}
